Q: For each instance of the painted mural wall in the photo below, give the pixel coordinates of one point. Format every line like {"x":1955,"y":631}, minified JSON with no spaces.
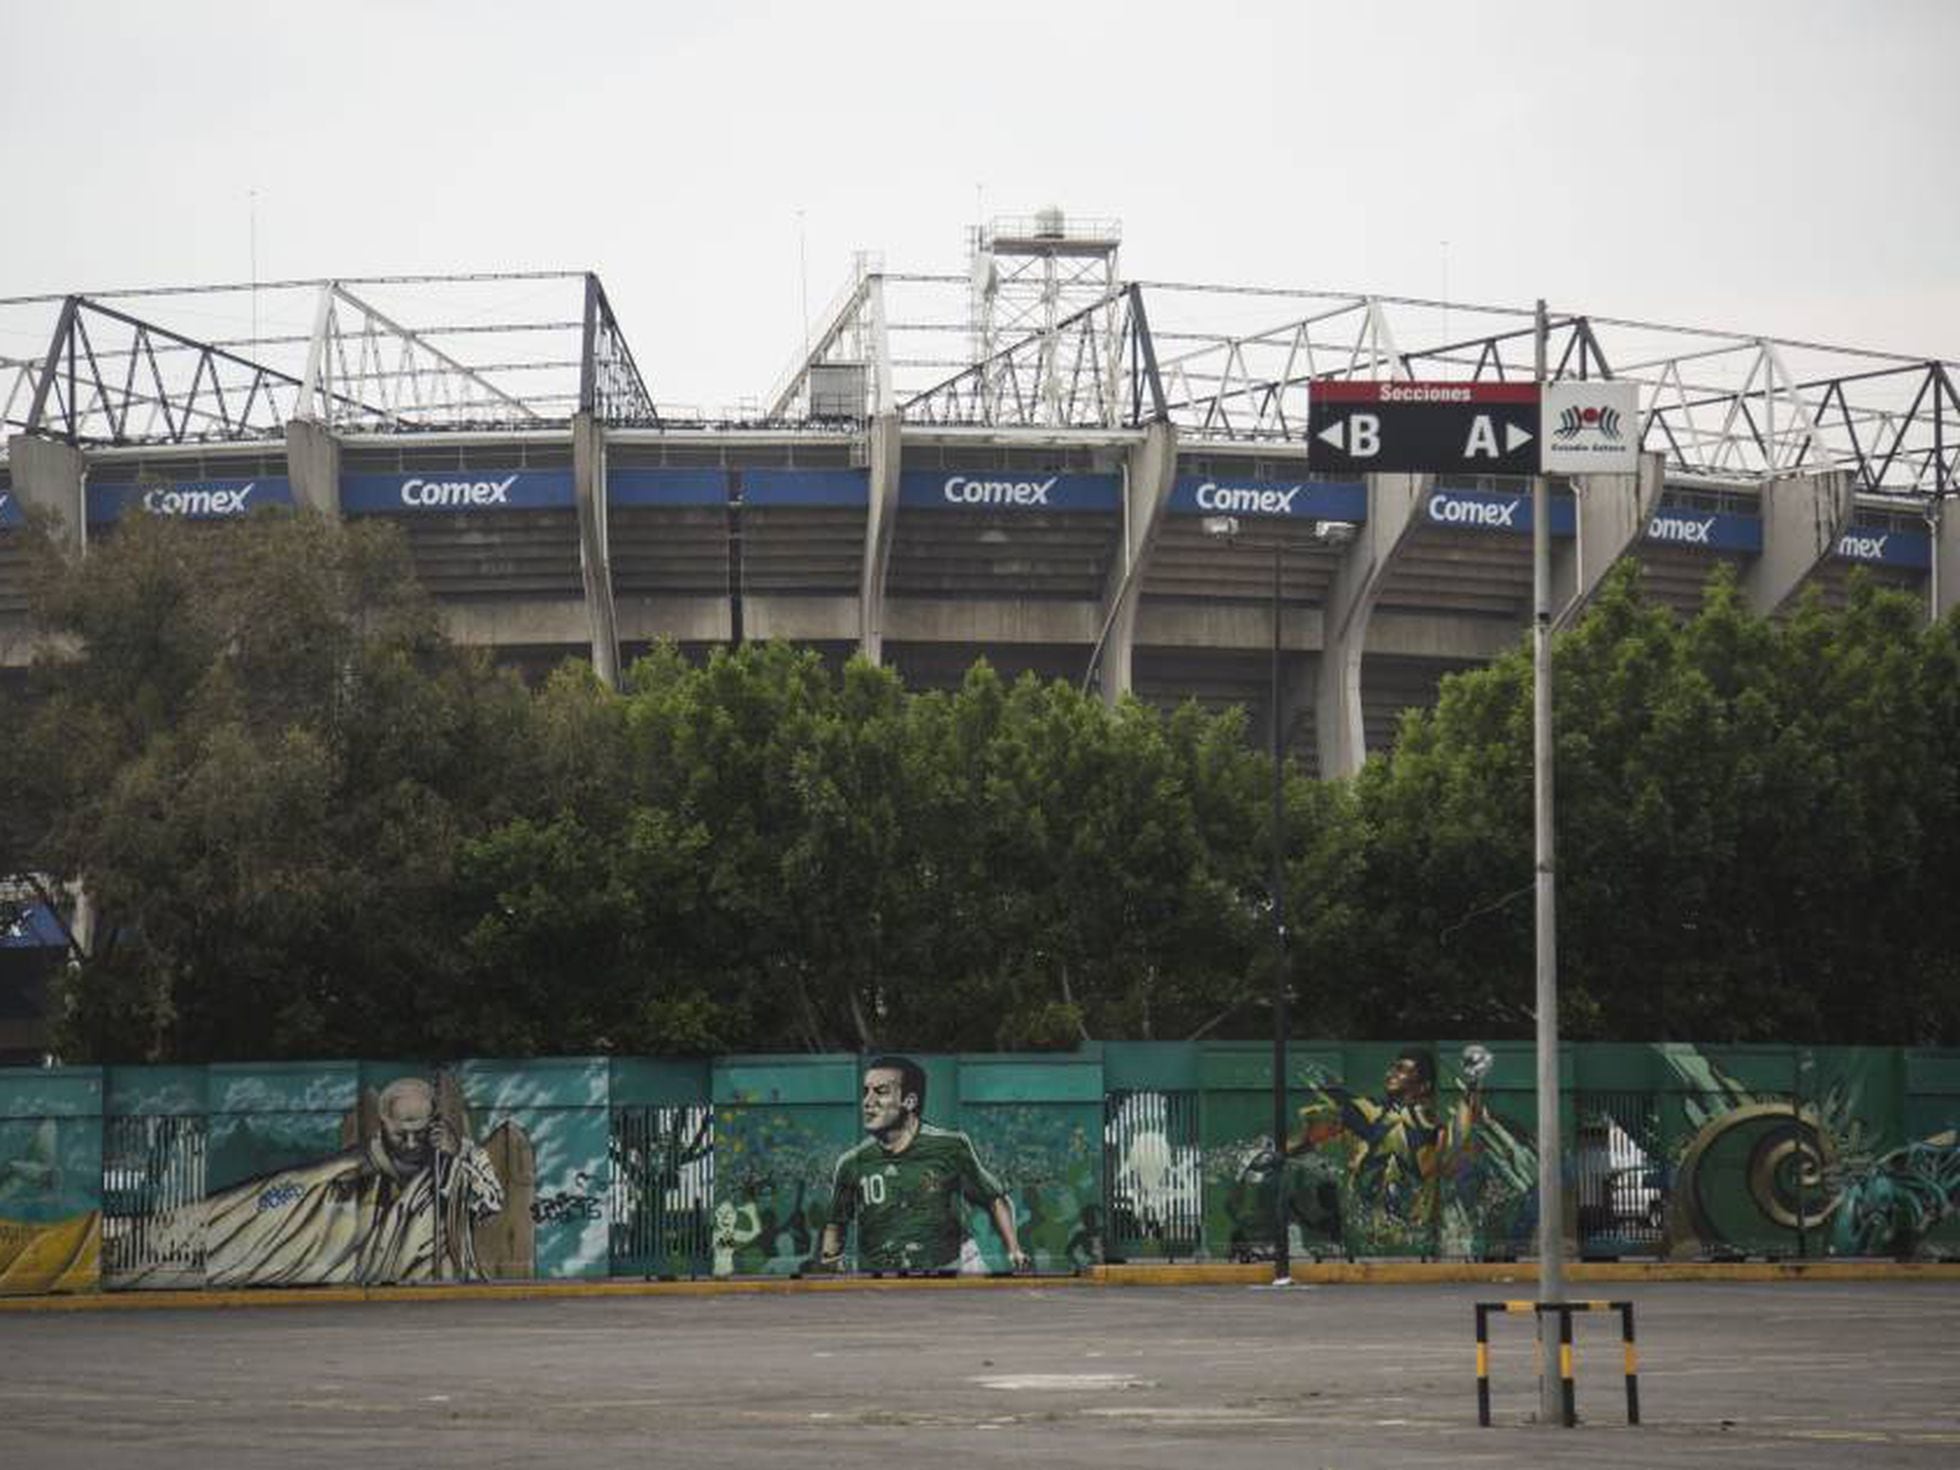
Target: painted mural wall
{"x":375,"y":1173}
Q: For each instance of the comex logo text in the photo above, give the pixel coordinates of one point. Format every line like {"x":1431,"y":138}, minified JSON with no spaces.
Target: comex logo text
{"x":195,"y":502}
{"x":959,"y":490}
{"x":1683,"y":530}
{"x":1500,"y":515}
{"x":1246,"y":500}
{"x":428,"y":493}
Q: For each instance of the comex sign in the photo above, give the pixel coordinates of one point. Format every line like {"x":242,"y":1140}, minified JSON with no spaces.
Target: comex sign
{"x":489,"y":490}
{"x":161,"y":502}
{"x":1300,"y":500}
{"x":1247,"y":499}
{"x":980,"y":491}
{"x":456,"y":494}
{"x":1469,"y":510}
{"x":197,"y":500}
{"x":959,"y":490}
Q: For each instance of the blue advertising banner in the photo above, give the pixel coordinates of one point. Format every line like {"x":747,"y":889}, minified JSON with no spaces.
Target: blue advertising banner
{"x":1707,"y":530}
{"x":10,"y":511}
{"x":1482,"y":510}
{"x":806,"y":487}
{"x":1007,"y":490}
{"x":33,"y":927}
{"x":402,"y":493}
{"x":654,"y":485}
{"x":198,"y":500}
{"x":699,"y":487}
{"x":1882,"y":546}
{"x":1306,"y":500}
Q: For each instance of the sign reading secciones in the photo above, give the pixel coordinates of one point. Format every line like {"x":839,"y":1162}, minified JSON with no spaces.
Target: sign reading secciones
{"x":1481,"y":510}
{"x":1011,"y":491}
{"x":1590,"y":428}
{"x":1193,"y":495}
{"x":425,"y":491}
{"x":1706,"y":530}
{"x":1884,"y":547}
{"x":1423,"y":428}
{"x":197,"y":500}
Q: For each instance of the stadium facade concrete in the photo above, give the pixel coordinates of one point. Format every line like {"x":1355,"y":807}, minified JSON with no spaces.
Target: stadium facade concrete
{"x":1089,"y":556}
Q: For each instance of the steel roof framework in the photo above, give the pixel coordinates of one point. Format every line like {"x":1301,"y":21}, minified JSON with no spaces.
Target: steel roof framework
{"x":1716,"y":405}
{"x":1226,"y":365}
{"x":109,"y":377}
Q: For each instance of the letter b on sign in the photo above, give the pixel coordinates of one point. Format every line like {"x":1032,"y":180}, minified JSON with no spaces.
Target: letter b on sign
{"x":1364,"y":435}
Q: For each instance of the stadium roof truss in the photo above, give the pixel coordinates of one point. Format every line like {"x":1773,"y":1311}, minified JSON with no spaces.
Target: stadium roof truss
{"x":1715,"y":405}
{"x":109,"y":377}
{"x":1225,"y":365}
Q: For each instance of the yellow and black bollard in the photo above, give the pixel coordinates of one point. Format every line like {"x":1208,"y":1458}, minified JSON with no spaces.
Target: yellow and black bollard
{"x":1567,"y":1362}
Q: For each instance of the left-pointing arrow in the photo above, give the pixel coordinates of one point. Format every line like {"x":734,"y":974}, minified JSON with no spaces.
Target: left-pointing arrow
{"x":1334,"y":432}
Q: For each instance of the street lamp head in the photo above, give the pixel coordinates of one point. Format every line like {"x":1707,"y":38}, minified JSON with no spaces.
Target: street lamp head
{"x":1223,"y":527}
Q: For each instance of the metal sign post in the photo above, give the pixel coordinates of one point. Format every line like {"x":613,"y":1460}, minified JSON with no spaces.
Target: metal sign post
{"x":1551,"y":1203}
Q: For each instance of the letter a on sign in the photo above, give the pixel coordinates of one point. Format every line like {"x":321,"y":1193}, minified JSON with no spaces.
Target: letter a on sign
{"x":1483,"y":438}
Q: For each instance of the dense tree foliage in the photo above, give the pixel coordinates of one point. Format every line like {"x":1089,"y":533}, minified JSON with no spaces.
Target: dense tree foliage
{"x":1756,"y":822}
{"x":310,"y":826}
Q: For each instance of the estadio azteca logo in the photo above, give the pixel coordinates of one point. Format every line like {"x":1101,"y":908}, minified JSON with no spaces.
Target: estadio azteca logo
{"x":1603,"y":422}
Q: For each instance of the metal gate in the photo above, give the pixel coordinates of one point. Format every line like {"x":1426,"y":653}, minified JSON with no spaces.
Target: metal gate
{"x":152,"y":1182}
{"x":1620,"y":1173}
{"x":1153,"y":1175}
{"x":663,"y":1190}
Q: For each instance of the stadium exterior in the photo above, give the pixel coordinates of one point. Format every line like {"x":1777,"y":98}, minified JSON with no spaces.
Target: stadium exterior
{"x":1028,"y":461}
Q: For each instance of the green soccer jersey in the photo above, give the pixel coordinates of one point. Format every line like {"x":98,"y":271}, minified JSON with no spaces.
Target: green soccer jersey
{"x":907,"y":1204}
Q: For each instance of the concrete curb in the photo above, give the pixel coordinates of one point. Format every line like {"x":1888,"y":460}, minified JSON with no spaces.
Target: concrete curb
{"x":1325,"y":1273}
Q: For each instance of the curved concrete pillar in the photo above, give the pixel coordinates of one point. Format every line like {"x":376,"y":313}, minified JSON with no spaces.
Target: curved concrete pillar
{"x":1339,"y":732}
{"x":1613,"y":513}
{"x":1944,"y":594}
{"x":594,"y":546}
{"x":887,"y":449}
{"x":51,"y":476}
{"x":313,"y":465}
{"x":1803,"y":516}
{"x":1151,"y":471}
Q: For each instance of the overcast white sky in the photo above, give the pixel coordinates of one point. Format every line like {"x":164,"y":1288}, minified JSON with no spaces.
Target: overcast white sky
{"x":1785,"y":167}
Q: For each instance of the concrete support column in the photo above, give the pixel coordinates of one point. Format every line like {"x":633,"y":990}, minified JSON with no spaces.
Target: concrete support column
{"x":594,"y":555}
{"x":313,"y":465}
{"x":1394,"y":501}
{"x":1944,"y":592}
{"x":1613,"y":513}
{"x":1803,"y":516}
{"x":1147,"y":481}
{"x":879,"y":522}
{"x":51,"y":477}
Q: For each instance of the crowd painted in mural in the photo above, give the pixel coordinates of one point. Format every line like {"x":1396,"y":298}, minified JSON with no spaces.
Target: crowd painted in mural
{"x":363,"y":1173}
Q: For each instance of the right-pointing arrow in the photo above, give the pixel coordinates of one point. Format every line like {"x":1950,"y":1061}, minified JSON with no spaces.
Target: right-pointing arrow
{"x":1514,"y":436}
{"x":1334,"y":433}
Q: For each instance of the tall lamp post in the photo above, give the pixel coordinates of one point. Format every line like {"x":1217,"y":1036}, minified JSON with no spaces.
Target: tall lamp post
{"x":1334,"y":533}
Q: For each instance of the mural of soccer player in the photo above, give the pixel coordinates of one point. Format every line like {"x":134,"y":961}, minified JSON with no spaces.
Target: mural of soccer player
{"x":1400,"y":1146}
{"x":906,"y":1184}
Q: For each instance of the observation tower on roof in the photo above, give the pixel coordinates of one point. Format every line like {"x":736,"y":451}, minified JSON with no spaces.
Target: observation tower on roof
{"x":1038,"y":276}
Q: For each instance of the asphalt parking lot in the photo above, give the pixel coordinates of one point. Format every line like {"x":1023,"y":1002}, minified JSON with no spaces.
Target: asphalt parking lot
{"x":1227,"y":1378}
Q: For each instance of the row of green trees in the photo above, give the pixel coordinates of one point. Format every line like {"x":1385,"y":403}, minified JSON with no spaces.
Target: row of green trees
{"x":310,"y":826}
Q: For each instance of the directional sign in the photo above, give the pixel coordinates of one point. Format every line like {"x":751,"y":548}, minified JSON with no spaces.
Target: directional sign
{"x":1423,"y":428}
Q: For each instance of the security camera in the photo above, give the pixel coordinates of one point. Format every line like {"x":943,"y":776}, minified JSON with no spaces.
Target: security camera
{"x":1334,"y":533}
